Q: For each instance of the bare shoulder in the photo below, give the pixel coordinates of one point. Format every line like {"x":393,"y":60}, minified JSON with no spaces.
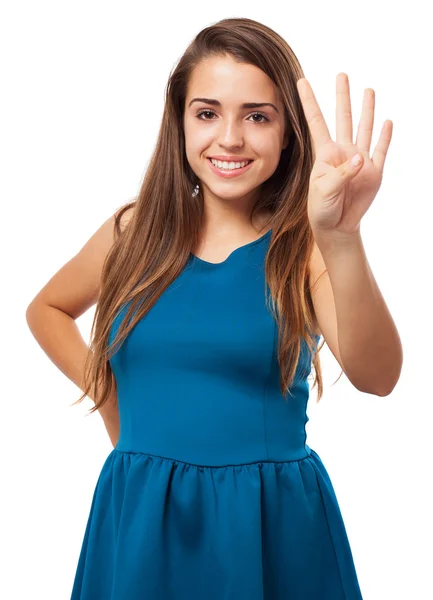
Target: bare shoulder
{"x":323,"y":302}
{"x":75,"y":287}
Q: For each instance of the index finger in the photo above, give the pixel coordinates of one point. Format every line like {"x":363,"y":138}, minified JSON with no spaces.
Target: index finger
{"x":313,"y":114}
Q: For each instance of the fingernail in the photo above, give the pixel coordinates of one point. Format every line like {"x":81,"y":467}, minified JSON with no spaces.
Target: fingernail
{"x":356,"y":160}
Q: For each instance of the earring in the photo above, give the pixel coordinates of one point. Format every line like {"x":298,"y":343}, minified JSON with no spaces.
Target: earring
{"x":196,"y":190}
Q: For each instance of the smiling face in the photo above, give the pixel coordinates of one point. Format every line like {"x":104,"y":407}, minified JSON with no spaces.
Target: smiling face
{"x":226,"y":128}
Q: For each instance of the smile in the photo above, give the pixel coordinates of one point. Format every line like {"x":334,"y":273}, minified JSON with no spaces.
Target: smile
{"x":229,"y":173}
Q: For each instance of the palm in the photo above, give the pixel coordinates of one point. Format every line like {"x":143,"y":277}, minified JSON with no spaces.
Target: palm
{"x":335,"y":205}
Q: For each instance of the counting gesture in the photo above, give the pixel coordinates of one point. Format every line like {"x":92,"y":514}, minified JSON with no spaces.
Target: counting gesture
{"x":341,"y":192}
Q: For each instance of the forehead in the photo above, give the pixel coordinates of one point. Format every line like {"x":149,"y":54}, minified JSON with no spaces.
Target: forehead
{"x":231,"y":82}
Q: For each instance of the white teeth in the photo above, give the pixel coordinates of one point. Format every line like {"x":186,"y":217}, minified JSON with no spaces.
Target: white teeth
{"x":228,"y":165}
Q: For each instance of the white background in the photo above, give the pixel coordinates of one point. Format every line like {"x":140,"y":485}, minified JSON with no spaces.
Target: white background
{"x":81,"y":105}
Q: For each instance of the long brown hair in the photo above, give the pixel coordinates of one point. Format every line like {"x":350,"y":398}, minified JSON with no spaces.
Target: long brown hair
{"x":151,"y":251}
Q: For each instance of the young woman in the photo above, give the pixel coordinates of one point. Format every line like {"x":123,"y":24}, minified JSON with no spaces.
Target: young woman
{"x":212,"y":290}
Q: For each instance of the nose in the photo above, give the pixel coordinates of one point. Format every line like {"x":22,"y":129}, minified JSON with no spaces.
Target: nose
{"x":231,"y":135}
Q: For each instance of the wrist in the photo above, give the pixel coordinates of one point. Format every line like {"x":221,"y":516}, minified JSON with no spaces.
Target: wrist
{"x":336,"y":240}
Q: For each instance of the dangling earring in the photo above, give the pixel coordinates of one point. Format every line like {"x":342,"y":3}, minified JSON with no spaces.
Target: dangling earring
{"x":196,"y":190}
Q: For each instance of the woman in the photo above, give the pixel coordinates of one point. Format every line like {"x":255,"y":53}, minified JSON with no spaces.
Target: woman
{"x":242,"y":248}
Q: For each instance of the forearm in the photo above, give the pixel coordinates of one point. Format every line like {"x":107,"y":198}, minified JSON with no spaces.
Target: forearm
{"x":368,"y":339}
{"x":60,"y":338}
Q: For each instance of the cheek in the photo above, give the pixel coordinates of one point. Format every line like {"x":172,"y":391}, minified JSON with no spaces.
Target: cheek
{"x":197,"y":141}
{"x":201,"y":138}
{"x":193,"y":131}
{"x":195,"y":148}
{"x":267,"y":145}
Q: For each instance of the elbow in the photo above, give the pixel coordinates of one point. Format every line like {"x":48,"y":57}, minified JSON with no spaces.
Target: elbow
{"x":384,"y":385}
{"x":383,"y":390}
{"x":383,"y":393}
{"x":376,"y":392}
{"x":29,"y":310}
{"x":395,"y":376}
{"x":31,"y":313}
{"x":390,"y":389}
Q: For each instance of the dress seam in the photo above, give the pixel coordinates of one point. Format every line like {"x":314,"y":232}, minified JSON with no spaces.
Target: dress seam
{"x":175,"y":460}
{"x":265,"y":392}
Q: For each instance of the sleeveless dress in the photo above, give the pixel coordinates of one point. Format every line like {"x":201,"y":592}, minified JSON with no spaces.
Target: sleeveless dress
{"x":211,"y":492}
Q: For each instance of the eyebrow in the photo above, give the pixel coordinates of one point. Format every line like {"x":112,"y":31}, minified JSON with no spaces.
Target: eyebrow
{"x":244,"y":105}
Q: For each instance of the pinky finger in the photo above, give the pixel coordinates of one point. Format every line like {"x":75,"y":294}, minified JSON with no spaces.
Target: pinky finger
{"x":382,"y":145}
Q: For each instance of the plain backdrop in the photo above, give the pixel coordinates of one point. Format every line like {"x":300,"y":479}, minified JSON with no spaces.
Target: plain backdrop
{"x":81,"y":105}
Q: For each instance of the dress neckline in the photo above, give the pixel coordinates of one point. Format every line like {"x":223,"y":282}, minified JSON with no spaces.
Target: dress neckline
{"x":235,"y":251}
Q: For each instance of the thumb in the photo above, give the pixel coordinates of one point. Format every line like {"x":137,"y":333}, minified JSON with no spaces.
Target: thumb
{"x":351,"y":167}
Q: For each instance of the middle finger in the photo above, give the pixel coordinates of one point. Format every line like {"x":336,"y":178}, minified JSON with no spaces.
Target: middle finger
{"x":343,"y":111}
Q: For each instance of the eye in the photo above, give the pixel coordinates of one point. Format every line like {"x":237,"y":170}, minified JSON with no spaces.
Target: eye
{"x":259,"y":114}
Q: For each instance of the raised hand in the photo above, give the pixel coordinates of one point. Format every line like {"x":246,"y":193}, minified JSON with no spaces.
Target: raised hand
{"x":340,"y":192}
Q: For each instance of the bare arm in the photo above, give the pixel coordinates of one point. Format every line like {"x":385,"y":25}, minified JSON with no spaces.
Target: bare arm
{"x":70,"y":292}
{"x":59,"y":337}
{"x":356,"y":319}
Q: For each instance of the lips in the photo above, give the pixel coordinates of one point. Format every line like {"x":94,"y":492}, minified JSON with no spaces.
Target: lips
{"x":231,"y":158}
{"x":247,"y":160}
{"x":230,"y":173}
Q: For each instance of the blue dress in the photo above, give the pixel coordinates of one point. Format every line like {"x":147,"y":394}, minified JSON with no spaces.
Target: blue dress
{"x":211,"y":492}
